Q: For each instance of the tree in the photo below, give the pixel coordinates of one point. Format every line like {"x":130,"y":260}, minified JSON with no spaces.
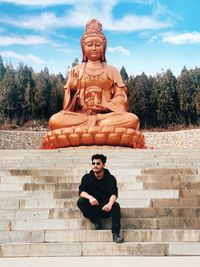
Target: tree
{"x":75,"y":62}
{"x":165,"y":99}
{"x":197,"y":103}
{"x":2,"y":69}
{"x":185,"y":94}
{"x":42,"y":99}
{"x":57,"y":93}
{"x":124,"y":74}
{"x":25,"y":93}
{"x":195,"y":78}
{"x":139,"y":98}
{"x":8,"y":96}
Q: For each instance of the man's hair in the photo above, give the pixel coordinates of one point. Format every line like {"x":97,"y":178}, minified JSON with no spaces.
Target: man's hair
{"x":99,"y":156}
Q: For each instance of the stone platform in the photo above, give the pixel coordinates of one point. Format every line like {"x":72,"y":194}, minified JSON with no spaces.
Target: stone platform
{"x":159,"y":192}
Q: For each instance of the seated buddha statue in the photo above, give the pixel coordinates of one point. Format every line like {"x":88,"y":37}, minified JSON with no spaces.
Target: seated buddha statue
{"x":95,"y":101}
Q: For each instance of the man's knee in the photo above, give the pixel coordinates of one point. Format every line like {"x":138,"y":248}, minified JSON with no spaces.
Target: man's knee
{"x":116,"y":207}
{"x":82,"y":203}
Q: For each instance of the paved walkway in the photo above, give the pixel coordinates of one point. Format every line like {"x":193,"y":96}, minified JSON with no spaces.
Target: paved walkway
{"x":102,"y":261}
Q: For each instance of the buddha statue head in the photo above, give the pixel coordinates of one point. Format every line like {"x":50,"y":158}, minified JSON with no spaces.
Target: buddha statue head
{"x":93,"y":42}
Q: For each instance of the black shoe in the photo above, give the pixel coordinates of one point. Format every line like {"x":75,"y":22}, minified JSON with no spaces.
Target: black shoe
{"x":117,"y":238}
{"x":97,"y":225}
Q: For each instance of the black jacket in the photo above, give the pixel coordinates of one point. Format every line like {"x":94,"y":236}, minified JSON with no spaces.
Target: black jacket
{"x":101,"y":189}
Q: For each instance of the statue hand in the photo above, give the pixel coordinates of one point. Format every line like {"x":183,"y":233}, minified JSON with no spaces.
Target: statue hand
{"x":74,"y":79}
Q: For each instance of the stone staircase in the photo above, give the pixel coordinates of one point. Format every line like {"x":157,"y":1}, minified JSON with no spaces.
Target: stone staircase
{"x":159,"y":194}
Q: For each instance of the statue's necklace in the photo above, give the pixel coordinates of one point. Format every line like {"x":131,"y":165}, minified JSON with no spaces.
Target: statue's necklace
{"x":94,"y":70}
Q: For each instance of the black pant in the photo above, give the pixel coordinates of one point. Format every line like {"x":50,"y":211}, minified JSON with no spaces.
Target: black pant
{"x":94,"y":213}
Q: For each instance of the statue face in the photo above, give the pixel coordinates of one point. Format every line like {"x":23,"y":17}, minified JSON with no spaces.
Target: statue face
{"x":93,"y":48}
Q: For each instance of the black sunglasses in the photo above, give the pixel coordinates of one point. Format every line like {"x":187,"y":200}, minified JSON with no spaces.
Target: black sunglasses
{"x":96,"y":163}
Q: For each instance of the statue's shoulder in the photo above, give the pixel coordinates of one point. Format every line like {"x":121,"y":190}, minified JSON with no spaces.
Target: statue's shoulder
{"x":111,"y":68}
{"x":114,"y":75}
{"x":79,"y":68}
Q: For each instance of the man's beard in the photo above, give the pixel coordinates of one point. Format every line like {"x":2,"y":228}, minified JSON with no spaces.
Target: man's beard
{"x":97,"y":171}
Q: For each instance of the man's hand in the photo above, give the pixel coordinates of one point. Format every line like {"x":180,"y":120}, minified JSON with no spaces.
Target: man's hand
{"x":107,"y":207}
{"x":93,"y":201}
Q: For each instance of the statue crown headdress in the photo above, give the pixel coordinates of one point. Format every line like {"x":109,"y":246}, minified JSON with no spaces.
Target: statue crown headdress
{"x":93,"y":26}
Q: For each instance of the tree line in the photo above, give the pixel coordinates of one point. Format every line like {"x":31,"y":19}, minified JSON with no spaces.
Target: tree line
{"x":159,"y":101}
{"x":163,"y":100}
{"x":26,"y":95}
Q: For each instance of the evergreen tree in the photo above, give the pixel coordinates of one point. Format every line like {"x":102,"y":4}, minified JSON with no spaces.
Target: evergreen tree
{"x":166,"y":99}
{"x":57,"y":93}
{"x":8,"y":96}
{"x":197,"y":104}
{"x":75,"y":62}
{"x":185,"y":94}
{"x":2,"y":69}
{"x":42,"y":99}
{"x":139,"y":98}
{"x":195,"y":79}
{"x":124,"y":74}
{"x":25,"y":93}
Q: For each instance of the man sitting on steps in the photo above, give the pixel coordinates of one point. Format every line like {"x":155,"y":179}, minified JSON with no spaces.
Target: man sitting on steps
{"x":98,"y":193}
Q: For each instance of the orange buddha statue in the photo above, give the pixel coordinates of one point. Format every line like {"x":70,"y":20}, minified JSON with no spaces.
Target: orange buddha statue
{"x":95,"y":109}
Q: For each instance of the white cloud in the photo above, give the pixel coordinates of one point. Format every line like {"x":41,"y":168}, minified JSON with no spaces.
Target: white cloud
{"x":154,"y":39}
{"x":24,"y":40}
{"x":183,"y":38}
{"x":65,"y":51}
{"x":40,"y":23}
{"x":25,"y":58}
{"x":38,"y":2}
{"x":119,"y":49}
{"x":135,"y":23}
{"x":59,"y":2}
{"x":149,"y":2}
{"x":80,"y":13}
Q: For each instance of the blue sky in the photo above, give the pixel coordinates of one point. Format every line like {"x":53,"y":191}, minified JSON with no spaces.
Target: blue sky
{"x":143,"y":35}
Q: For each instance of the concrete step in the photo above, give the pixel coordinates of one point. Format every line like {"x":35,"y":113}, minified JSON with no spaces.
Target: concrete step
{"x":46,"y":203}
{"x":66,"y":175}
{"x":7,"y":179}
{"x":8,"y":237}
{"x":70,"y":194}
{"x":137,"y":163}
{"x":40,"y":250}
{"x":100,"y":249}
{"x":181,"y":202}
{"x":190,"y":193}
{"x":84,"y":224}
{"x":63,"y":236}
{"x":183,"y":186}
{"x":61,"y":186}
{"x":171,"y":178}
{"x":9,"y":204}
{"x":74,"y":213}
{"x":164,"y":235}
{"x":127,"y":185}
{"x":65,"y":203}
{"x":5,"y":225}
{"x":170,"y":171}
{"x":26,"y":195}
{"x":142,"y":163}
{"x":187,"y":188}
{"x":150,"y":194}
{"x":125,"y":153}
